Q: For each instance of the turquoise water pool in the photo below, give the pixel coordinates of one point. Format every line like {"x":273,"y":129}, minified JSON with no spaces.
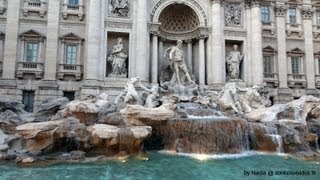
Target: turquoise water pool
{"x":164,"y":166}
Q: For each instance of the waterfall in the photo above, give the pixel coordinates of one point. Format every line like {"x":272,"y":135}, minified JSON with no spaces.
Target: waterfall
{"x":265,"y":138}
{"x":207,"y":135}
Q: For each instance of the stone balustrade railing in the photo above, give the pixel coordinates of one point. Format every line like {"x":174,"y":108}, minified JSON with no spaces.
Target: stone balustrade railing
{"x":271,"y":78}
{"x":31,"y":6}
{"x":294,"y":79}
{"x":77,"y":10}
{"x":70,"y":70}
{"x":36,"y":68}
{"x":294,"y":28}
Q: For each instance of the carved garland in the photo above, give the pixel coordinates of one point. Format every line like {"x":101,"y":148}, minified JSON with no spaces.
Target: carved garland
{"x":195,"y":3}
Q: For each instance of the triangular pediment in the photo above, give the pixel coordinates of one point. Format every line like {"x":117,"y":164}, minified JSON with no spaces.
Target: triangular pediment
{"x":268,"y":49}
{"x":71,"y":36}
{"x":297,"y":51}
{"x":31,"y":33}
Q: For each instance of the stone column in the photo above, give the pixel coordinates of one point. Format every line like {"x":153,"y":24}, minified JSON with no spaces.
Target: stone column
{"x":142,"y":43}
{"x":202,"y":68}
{"x":154,"y":65}
{"x":281,"y":10}
{"x":247,"y":55}
{"x":52,"y":41}
{"x":189,"y":53}
{"x":307,"y":15}
{"x":11,"y":39}
{"x":218,"y":45}
{"x":256,"y":37}
{"x":92,"y":50}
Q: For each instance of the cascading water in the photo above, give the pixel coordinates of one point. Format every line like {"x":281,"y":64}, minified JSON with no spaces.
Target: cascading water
{"x":207,"y":136}
{"x":205,"y":131}
{"x":265,"y":138}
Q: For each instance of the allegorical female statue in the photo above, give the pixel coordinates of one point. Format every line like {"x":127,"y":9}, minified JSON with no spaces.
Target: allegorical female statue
{"x":118,"y":57}
{"x":233,"y":61}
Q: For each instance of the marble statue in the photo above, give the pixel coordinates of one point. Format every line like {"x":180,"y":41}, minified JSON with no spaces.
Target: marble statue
{"x":119,"y":7}
{"x":233,"y":61}
{"x":130,"y":94}
{"x":230,"y":99}
{"x":254,"y":98}
{"x":177,"y":63}
{"x":118,"y":57}
{"x":233,"y":15}
{"x":151,"y":98}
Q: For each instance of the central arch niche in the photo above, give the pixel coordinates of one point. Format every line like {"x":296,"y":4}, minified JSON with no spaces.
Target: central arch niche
{"x":178,"y":18}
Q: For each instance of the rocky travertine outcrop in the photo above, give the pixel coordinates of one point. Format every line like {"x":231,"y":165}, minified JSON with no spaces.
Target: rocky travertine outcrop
{"x":108,"y":139}
{"x":3,"y":142}
{"x":43,"y":137}
{"x":297,"y":110}
{"x":9,"y":120}
{"x":87,"y":110}
{"x":14,"y":106}
{"x":141,"y":116}
{"x":49,"y":108}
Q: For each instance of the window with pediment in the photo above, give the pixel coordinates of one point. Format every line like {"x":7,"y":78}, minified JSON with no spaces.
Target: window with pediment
{"x":32,"y":43}
{"x":296,"y":61}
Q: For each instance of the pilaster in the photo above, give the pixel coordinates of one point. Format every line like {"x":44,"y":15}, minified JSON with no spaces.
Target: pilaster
{"x":52,"y":41}
{"x":280,"y":12}
{"x":11,"y":39}
{"x":142,"y":40}
{"x":307,"y":15}
{"x":218,"y":68}
{"x":256,"y":41}
{"x":93,"y":31}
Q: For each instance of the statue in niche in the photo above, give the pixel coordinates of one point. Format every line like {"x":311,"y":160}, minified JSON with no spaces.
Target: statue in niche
{"x":233,"y":61}
{"x":176,"y":81}
{"x":233,"y":15}
{"x":118,"y":57}
{"x":177,"y":63}
{"x":119,"y":7}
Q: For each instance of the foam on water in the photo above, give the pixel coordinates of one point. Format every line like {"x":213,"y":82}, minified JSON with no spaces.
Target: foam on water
{"x":203,"y":157}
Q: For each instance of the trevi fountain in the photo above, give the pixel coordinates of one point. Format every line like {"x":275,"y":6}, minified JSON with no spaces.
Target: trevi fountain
{"x":168,"y":130}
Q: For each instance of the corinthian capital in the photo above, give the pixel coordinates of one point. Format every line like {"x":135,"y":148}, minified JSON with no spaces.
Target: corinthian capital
{"x":280,"y":10}
{"x":307,"y":13}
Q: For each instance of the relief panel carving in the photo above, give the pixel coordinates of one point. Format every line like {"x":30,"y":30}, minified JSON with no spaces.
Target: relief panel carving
{"x":233,"y":14}
{"x":119,"y":8}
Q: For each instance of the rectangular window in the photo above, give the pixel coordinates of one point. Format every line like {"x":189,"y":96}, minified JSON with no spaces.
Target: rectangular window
{"x":265,"y":14}
{"x":32,"y":52}
{"x":318,"y":17}
{"x":295,"y":65}
{"x":71,"y":53}
{"x":292,"y":15}
{"x":267,"y":64}
{"x":28,"y":100}
{"x":73,"y":2}
{"x":69,"y":95}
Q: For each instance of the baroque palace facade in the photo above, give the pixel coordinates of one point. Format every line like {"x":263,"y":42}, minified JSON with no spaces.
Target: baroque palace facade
{"x":54,"y":48}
